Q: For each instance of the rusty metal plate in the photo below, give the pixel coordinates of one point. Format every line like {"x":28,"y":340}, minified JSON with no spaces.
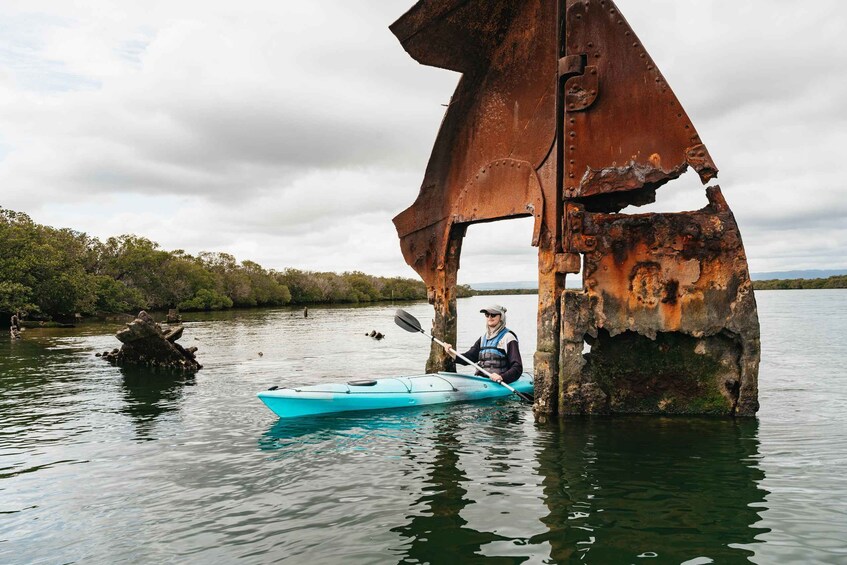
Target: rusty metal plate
{"x":624,"y":131}
{"x":677,"y":272}
{"x":669,"y":309}
{"x":502,"y":112}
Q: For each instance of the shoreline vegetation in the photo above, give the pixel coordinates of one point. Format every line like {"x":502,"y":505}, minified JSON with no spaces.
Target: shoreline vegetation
{"x":835,"y":281}
{"x":61,"y":274}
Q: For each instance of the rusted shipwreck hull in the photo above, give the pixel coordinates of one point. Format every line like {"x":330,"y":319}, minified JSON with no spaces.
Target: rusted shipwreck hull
{"x":563,"y":116}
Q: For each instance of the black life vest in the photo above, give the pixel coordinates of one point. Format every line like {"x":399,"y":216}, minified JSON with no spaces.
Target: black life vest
{"x":492,"y":358}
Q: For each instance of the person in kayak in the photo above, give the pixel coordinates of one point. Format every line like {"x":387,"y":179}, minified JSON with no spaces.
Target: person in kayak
{"x":497,"y":350}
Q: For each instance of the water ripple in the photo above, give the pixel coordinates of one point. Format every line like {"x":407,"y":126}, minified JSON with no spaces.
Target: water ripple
{"x":100,"y":464}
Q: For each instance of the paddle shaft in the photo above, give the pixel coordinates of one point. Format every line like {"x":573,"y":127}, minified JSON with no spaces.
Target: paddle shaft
{"x":469,"y":362}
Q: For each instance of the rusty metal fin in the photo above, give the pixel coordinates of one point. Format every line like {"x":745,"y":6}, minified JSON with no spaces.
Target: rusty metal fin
{"x":624,"y":129}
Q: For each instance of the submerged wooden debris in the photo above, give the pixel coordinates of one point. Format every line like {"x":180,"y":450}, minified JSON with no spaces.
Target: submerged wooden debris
{"x":145,"y":343}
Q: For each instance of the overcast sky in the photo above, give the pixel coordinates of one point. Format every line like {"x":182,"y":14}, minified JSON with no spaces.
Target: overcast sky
{"x":290,"y":133}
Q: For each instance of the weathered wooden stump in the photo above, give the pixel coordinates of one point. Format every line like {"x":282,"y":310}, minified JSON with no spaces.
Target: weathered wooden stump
{"x":145,"y":343}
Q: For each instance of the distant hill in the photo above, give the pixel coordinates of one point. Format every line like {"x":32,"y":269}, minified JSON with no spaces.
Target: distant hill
{"x":575,"y":281}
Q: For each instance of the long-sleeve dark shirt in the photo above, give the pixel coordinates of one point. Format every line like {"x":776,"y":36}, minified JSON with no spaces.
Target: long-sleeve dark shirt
{"x":513,"y":355}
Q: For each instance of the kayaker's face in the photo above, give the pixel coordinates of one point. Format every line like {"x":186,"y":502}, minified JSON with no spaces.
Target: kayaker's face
{"x":492,"y":319}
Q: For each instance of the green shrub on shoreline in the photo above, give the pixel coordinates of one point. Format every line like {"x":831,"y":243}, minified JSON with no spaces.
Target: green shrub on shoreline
{"x":836,"y":281}
{"x":58,"y":273}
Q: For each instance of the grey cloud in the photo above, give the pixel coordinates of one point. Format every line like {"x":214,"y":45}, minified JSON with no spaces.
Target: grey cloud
{"x":723,"y":58}
{"x":168,"y":133}
{"x":293,"y":128}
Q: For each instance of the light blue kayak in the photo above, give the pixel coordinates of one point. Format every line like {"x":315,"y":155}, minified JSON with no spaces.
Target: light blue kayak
{"x":394,"y":392}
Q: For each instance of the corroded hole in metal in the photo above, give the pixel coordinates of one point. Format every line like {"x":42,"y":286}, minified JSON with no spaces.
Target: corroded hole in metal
{"x":587,"y":343}
{"x":674,"y":373}
{"x":682,"y":194}
{"x":614,"y":188}
{"x":577,"y":280}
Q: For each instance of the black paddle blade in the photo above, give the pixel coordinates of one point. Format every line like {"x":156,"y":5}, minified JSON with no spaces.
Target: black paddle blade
{"x":525,"y":397}
{"x":407,"y":321}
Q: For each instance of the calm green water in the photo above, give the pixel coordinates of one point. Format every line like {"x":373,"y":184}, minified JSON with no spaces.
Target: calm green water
{"x":104,"y":465}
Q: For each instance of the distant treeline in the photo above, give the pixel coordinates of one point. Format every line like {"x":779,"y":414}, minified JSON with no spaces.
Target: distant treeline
{"x":504,"y":291}
{"x":52,"y":272}
{"x":837,"y":281}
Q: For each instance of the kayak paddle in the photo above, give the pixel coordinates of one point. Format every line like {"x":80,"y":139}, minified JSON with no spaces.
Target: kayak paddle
{"x":411,"y":324}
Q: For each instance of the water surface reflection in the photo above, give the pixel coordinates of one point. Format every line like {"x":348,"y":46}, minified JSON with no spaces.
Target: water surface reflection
{"x":673,"y":488}
{"x":437,"y":532}
{"x":225,"y":481}
{"x":148,"y":394}
{"x":482,"y":482}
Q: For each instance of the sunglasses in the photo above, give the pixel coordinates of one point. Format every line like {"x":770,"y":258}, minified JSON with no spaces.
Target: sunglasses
{"x":490,"y":315}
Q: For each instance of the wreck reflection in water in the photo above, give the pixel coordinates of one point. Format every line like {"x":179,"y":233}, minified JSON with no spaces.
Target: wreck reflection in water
{"x":149,"y":393}
{"x":224,"y":480}
{"x":483,"y":482}
{"x":676,"y":488}
{"x":437,"y":532}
